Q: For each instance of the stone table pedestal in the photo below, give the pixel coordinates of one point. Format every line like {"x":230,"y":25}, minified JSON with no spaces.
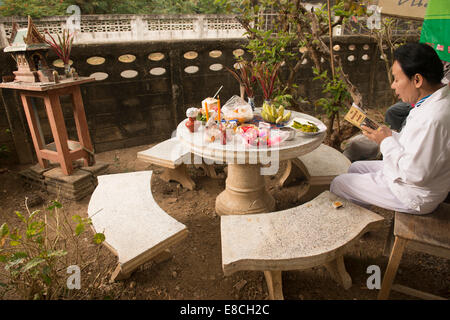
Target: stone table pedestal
{"x":245,"y":190}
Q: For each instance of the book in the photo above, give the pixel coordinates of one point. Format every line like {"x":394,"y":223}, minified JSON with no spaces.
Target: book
{"x":358,"y":117}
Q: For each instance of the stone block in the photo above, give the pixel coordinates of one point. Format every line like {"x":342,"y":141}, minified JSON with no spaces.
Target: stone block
{"x":97,"y":169}
{"x":76,"y":178}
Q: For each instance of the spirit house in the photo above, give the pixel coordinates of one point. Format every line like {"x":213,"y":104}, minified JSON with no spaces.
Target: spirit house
{"x":29,"y":49}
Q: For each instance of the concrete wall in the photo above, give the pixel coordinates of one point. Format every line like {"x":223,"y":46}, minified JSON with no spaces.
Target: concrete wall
{"x":124,"y":112}
{"x":121,"y":27}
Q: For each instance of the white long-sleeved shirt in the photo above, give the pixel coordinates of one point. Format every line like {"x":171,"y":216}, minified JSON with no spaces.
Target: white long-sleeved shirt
{"x":416,"y":161}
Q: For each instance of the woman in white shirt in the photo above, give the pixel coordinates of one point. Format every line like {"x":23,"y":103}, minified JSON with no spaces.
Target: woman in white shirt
{"x":414,"y":175}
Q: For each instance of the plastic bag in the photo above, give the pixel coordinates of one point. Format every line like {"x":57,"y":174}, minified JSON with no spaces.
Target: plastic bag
{"x":254,"y":136}
{"x":237,"y":109}
{"x":212,"y":132}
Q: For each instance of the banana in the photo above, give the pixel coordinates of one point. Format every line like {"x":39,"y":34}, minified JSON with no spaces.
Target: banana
{"x":264,"y":108}
{"x":274,"y":111}
{"x":271,"y":114}
{"x":280,"y":111}
{"x":269,"y":110}
{"x":279,"y":119}
{"x":287,"y":116}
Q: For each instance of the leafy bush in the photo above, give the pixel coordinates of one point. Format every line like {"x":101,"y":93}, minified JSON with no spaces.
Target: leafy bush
{"x":35,"y":256}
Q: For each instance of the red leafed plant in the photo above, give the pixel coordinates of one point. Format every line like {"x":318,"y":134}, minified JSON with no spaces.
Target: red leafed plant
{"x":266,"y":75}
{"x":63,"y":46}
{"x":245,"y":76}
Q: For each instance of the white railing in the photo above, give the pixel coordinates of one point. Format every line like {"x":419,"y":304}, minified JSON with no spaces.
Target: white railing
{"x":96,"y":29}
{"x":121,"y":28}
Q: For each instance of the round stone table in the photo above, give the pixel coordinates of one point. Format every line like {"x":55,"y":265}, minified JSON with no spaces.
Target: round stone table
{"x":245,"y":191}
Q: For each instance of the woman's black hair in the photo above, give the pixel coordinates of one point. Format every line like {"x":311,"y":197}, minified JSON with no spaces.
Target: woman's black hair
{"x":422,"y":59}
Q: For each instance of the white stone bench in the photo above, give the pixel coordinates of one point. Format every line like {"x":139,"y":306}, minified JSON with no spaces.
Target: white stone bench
{"x":303,"y":237}
{"x":136,"y":228}
{"x":318,"y":167}
{"x":171,"y":155}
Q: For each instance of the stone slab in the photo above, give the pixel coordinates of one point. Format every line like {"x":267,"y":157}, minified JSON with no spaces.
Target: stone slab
{"x":35,"y":172}
{"x":298,"y":238}
{"x":71,"y":188}
{"x":39,"y":170}
{"x":169,"y":154}
{"x":325,"y":161}
{"x":123,"y":208}
{"x":77,"y":177}
{"x":74,"y":187}
{"x":69,"y":195}
{"x":97,"y":169}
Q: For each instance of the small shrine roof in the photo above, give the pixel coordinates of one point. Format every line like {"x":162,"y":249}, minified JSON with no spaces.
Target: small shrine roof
{"x":26,"y":39}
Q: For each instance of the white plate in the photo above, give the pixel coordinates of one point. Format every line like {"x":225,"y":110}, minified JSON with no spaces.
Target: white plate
{"x":320,"y":125}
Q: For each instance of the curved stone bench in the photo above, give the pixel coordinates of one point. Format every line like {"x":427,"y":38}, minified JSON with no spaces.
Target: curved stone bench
{"x":318,"y":167}
{"x":173,"y":156}
{"x":136,"y":228}
{"x":310,"y":235}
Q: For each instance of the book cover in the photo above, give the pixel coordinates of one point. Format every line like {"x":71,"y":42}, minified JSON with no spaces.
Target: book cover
{"x":358,"y":117}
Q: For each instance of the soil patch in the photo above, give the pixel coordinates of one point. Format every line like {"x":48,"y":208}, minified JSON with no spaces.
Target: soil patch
{"x":195,"y":271}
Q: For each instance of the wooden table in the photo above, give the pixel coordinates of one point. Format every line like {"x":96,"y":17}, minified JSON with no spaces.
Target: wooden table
{"x":245,"y":191}
{"x":50,"y":92}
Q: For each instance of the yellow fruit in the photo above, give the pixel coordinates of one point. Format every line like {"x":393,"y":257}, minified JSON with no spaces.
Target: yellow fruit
{"x":280,"y":111}
{"x":279,"y":119}
{"x":287,"y":116}
{"x":273,"y":111}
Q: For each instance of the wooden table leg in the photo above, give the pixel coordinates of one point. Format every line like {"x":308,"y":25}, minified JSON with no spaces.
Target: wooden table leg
{"x":33,"y":124}
{"x":81,"y":124}
{"x":274,"y":284}
{"x":391,"y":270}
{"x":56,"y":119}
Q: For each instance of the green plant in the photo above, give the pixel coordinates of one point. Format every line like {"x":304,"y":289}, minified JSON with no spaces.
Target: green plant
{"x":285,"y":32}
{"x":282,"y":100}
{"x":35,"y":256}
{"x":388,"y":40}
{"x":337,"y":96}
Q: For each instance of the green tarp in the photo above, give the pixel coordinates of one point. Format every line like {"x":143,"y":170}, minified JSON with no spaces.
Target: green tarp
{"x":436,"y":27}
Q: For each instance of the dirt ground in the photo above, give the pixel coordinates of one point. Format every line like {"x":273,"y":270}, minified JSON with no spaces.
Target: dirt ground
{"x":195,"y":270}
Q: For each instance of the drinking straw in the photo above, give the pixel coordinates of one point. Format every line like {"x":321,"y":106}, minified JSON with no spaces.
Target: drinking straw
{"x":217,"y":92}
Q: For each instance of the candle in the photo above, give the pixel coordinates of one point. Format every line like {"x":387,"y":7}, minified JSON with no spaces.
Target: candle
{"x":206,"y":109}
{"x":218,"y":107}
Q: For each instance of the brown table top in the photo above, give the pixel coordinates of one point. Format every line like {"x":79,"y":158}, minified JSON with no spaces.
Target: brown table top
{"x":45,"y":86}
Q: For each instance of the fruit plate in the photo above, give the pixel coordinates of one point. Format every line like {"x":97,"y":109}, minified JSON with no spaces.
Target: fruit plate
{"x":320,"y":125}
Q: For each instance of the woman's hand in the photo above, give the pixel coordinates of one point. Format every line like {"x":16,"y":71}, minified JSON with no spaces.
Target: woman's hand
{"x":377,"y":135}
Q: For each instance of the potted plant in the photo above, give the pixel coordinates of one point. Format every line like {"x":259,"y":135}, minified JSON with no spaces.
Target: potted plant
{"x":62,"y":47}
{"x":246,"y":79}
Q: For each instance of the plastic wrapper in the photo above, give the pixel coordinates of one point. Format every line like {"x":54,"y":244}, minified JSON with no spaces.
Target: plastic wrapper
{"x":237,"y":109}
{"x":212,"y":131}
{"x":192,"y":112}
{"x":254,"y":136}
